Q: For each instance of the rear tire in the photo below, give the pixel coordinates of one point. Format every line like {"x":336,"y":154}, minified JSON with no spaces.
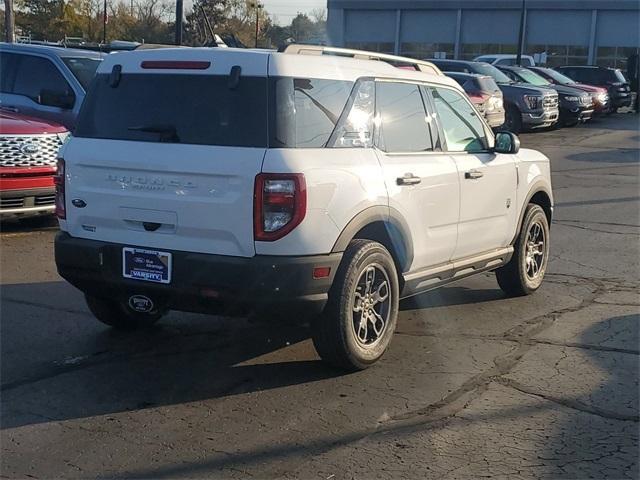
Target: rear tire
{"x":118,"y":315}
{"x":360,"y":317}
{"x":524,"y":273}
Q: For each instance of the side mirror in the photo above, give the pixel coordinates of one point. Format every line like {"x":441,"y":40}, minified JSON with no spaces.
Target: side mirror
{"x":52,"y":98}
{"x":506,"y":142}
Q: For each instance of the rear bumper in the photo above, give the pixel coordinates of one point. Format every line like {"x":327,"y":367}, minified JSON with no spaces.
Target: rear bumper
{"x":200,"y":282}
{"x":27,"y":202}
{"x":495,"y":119}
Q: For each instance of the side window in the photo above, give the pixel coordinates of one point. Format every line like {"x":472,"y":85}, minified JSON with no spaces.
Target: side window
{"x":403,"y":124}
{"x":7,"y":61}
{"x":463,"y":130}
{"x":511,"y":75}
{"x":307,"y":110}
{"x":356,"y":126}
{"x":35,"y":74}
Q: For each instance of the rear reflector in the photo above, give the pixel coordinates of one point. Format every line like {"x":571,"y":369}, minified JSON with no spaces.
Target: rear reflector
{"x":321,"y":272}
{"x":175,"y":65}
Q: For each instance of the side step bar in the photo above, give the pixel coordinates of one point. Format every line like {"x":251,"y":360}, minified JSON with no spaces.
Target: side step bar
{"x":430,"y":278}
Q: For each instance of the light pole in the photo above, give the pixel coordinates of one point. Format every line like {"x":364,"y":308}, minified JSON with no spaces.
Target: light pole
{"x":104,"y":22}
{"x":521,"y":34}
{"x":178,"y":22}
{"x":9,"y":26}
{"x":258,"y":6}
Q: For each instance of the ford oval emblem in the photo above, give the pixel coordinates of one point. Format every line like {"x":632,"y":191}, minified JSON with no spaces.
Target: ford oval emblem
{"x":140,"y":303}
{"x":29,"y":148}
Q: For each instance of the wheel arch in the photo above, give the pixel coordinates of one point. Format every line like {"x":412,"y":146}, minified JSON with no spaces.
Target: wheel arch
{"x":539,"y":194}
{"x":384,"y":225}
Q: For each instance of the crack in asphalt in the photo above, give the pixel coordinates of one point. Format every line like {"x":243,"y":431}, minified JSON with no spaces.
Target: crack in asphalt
{"x":567,"y":402}
{"x":45,"y":306}
{"x":599,"y":230}
{"x":523,"y":334}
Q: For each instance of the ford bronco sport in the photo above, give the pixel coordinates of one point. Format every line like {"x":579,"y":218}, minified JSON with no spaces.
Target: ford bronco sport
{"x":200,"y":179}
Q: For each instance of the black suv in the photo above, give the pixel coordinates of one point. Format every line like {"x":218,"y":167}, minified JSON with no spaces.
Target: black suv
{"x":610,"y":78}
{"x":575,"y":105}
{"x":527,"y":106}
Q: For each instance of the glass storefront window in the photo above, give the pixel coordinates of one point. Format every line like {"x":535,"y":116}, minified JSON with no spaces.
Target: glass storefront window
{"x":425,"y":50}
{"x":473,"y":50}
{"x":558,"y":55}
{"x":380,"y":47}
{"x":615,"y":57}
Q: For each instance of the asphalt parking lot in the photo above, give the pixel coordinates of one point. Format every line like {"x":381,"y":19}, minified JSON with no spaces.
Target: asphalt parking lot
{"x":474,"y":385}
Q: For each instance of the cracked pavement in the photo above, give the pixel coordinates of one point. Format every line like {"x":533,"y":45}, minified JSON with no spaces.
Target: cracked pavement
{"x":474,"y":384}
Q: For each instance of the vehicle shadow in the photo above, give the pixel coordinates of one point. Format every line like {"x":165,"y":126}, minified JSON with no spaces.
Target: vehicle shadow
{"x":567,"y":439}
{"x":629,"y":156}
{"x":29,"y":224}
{"x":59,"y":363}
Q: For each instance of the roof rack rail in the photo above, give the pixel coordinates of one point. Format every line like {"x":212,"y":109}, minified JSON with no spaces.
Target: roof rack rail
{"x":420,"y":65}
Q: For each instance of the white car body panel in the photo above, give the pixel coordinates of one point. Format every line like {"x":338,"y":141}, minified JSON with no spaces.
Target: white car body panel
{"x":488,"y":207}
{"x":430,"y":208}
{"x":341,"y":182}
{"x":202,"y":195}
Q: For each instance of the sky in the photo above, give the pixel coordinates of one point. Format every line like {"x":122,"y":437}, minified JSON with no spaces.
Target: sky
{"x":285,"y":10}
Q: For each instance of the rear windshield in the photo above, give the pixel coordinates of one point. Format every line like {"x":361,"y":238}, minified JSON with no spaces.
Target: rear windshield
{"x":84,"y":69}
{"x":193,"y":109}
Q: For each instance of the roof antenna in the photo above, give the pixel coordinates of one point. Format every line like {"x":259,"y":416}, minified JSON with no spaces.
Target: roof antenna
{"x":114,"y":78}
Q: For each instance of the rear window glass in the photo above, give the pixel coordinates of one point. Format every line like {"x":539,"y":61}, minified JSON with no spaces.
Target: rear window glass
{"x":84,"y":69}
{"x":306,"y":110}
{"x":192,"y":109}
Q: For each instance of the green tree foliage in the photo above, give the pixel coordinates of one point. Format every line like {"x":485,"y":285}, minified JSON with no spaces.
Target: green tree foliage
{"x":152,"y":21}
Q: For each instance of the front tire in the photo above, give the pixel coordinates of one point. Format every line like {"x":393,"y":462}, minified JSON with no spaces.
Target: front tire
{"x":525,"y":272}
{"x":118,"y":315}
{"x":358,"y":322}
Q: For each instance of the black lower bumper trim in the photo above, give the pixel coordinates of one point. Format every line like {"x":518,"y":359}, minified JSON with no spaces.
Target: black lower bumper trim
{"x":200,"y":282}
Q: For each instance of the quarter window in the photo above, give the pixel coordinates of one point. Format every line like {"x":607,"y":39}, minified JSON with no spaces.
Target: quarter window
{"x":463,"y":130}
{"x":403,"y":123}
{"x":36,"y":74}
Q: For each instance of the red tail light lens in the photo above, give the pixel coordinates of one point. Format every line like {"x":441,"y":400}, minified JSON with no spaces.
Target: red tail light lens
{"x":280,"y":204}
{"x":58,"y":181}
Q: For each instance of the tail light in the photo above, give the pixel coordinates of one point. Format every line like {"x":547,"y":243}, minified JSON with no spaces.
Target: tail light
{"x":280,"y":204}
{"x":58,"y":181}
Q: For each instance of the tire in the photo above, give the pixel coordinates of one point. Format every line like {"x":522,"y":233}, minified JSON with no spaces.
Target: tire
{"x":512,"y":121}
{"x":336,"y":337}
{"x":524,"y":273}
{"x":118,"y":315}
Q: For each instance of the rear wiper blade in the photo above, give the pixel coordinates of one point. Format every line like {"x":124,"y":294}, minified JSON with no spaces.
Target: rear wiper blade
{"x":167,"y":133}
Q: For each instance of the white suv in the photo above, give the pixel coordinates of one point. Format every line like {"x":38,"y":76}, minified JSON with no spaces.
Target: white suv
{"x":225,"y":180}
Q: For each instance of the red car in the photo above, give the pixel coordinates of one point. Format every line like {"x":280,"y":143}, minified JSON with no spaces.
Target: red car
{"x":601,"y":101}
{"x":28,"y":152}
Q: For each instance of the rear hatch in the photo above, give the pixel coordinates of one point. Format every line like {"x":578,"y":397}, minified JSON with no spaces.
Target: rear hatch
{"x":166,"y":151}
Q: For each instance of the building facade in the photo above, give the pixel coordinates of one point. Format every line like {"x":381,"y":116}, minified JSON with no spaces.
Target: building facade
{"x":576,"y":32}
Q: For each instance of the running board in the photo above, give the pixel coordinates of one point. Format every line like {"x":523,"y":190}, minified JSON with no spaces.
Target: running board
{"x":430,"y":278}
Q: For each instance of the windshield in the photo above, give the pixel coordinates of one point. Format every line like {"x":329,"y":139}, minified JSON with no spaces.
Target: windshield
{"x":533,"y":78}
{"x":486,"y":69}
{"x":558,"y":77}
{"x":84,"y":69}
{"x":618,"y":76}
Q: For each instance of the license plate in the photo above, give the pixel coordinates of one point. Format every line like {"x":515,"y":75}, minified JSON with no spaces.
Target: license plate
{"x":146,"y":265}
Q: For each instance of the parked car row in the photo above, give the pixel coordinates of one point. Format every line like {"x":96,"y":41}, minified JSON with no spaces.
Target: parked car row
{"x":538,"y":97}
{"x":43,"y":87}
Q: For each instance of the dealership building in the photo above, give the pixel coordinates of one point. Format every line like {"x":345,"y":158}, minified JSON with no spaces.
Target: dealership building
{"x":578,"y":32}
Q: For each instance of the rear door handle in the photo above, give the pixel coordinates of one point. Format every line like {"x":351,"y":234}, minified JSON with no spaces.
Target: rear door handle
{"x":473,"y":174}
{"x":408,"y":179}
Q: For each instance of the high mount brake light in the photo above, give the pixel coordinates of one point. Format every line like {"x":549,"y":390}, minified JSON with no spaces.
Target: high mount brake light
{"x":280,"y":204}
{"x":58,"y":181}
{"x":175,"y":65}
